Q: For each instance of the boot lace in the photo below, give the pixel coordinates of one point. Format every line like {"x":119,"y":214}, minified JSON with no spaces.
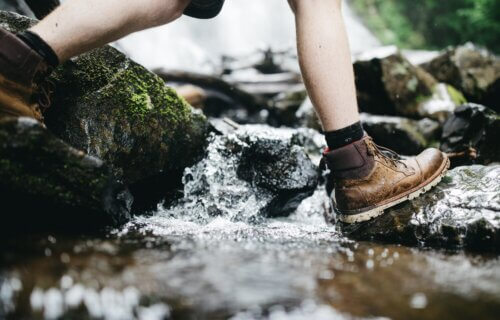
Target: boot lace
{"x":45,"y":91}
{"x":44,"y":88}
{"x":389,"y":155}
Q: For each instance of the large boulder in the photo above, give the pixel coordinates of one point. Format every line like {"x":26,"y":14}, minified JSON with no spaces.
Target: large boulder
{"x":461,"y":212}
{"x":473,"y":70}
{"x":388,"y":84}
{"x":472,"y":134}
{"x":248,"y":173}
{"x":112,"y":108}
{"x":46,"y":184}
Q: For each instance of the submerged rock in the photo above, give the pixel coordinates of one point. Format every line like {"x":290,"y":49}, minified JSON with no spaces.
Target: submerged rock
{"x":46,"y":184}
{"x":388,"y":84}
{"x":474,"y":71}
{"x":472,"y":133}
{"x":253,"y":172}
{"x":463,"y":211}
{"x":405,"y":136}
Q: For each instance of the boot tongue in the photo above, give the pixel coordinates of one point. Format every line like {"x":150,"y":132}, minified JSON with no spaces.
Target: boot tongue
{"x":346,"y":158}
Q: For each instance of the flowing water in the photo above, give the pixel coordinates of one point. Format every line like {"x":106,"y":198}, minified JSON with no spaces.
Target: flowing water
{"x":183,"y":262}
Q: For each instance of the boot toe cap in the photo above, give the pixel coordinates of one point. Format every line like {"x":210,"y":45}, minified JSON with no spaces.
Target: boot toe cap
{"x":430,"y":161}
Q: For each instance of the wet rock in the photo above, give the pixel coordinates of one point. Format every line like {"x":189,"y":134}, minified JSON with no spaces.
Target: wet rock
{"x":46,"y":184}
{"x":472,"y":128}
{"x":280,"y":167}
{"x":463,"y":211}
{"x":284,"y":106}
{"x":306,"y":116}
{"x":403,"y":135}
{"x":253,"y":172}
{"x":473,"y":70}
{"x":388,"y":84}
{"x":113,"y":108}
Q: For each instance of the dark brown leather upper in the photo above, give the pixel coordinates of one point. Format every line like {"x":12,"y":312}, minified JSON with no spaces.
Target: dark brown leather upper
{"x":365,"y":177}
{"x":21,"y":72}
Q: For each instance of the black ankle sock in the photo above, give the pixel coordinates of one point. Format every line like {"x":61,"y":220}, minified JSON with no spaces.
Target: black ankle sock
{"x":342,"y":137}
{"x":40,"y":46}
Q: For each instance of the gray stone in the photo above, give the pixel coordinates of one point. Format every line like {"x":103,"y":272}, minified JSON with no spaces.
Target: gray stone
{"x":253,"y":172}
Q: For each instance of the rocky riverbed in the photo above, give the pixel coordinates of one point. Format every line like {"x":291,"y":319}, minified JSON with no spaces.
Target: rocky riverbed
{"x":133,"y":204}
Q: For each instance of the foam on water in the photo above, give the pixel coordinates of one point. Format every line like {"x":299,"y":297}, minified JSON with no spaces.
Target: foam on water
{"x":219,"y":205}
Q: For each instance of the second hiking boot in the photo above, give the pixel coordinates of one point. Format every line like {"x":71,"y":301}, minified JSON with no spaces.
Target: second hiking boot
{"x":369,"y":179}
{"x":23,"y":91}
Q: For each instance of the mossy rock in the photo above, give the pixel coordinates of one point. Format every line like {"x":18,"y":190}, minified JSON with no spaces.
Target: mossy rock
{"x":46,"y":184}
{"x":473,"y":70}
{"x":113,"y":108}
{"x":388,"y":84}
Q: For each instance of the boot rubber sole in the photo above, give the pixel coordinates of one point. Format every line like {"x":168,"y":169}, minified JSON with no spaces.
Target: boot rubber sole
{"x":362,"y":215}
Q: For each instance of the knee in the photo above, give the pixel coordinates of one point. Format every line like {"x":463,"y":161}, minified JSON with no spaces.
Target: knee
{"x":299,"y":5}
{"x":178,"y":7}
{"x":165,"y":11}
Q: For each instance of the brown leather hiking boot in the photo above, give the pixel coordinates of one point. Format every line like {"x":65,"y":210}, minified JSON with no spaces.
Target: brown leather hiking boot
{"x":21,"y":73}
{"x":369,"y":179}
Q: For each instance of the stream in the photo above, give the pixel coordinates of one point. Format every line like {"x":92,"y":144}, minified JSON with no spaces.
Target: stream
{"x":183,"y":262}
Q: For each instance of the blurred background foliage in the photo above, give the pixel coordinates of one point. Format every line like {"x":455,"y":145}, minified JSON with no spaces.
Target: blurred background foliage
{"x":432,"y":24}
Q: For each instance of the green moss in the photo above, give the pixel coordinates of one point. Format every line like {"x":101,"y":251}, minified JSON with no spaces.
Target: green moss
{"x":456,"y":96}
{"x":90,"y":71}
{"x":414,"y":133}
{"x":141,"y":95}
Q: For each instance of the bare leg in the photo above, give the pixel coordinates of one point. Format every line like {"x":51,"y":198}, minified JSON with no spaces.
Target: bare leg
{"x":80,"y":25}
{"x":325,"y":61}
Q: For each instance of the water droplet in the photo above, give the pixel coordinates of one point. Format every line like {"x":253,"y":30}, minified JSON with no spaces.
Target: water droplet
{"x":66,"y":282}
{"x":65,"y":258}
{"x":418,"y":301}
{"x":370,"y":264}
